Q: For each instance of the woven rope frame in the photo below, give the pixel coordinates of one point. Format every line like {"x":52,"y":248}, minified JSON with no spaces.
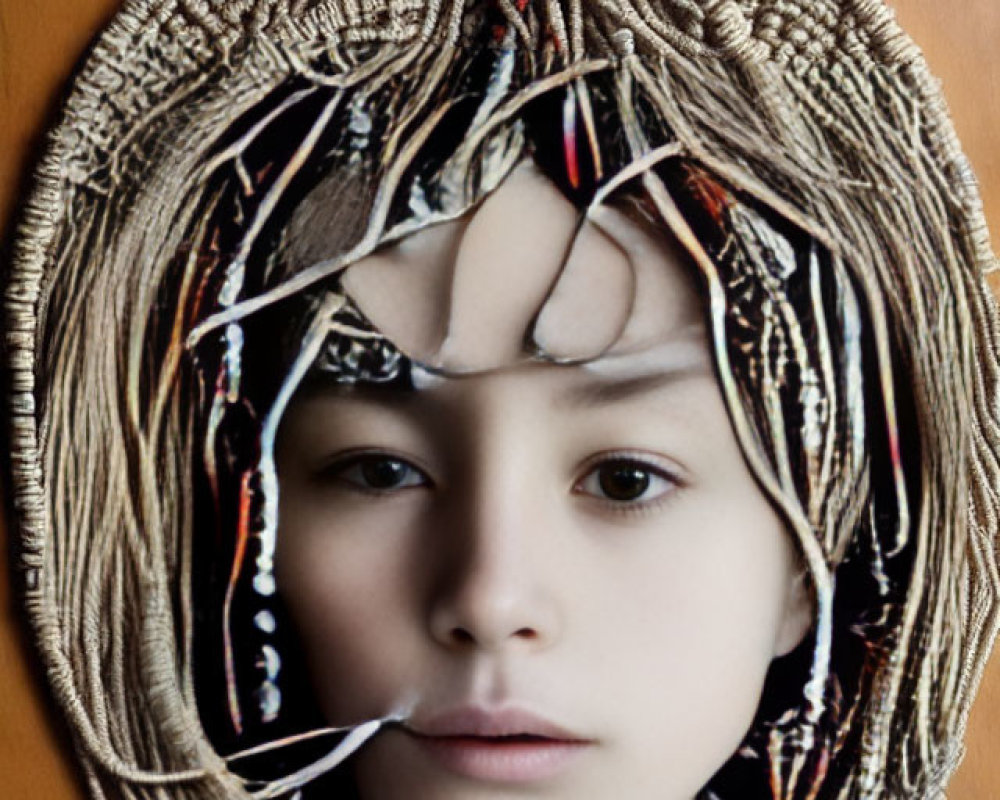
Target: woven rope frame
{"x":156,"y":54}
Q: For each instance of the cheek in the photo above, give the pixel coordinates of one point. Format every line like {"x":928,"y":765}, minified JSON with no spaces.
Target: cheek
{"x":694,"y":623}
{"x":352,"y":601}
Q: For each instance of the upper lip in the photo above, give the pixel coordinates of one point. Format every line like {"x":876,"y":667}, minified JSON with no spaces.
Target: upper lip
{"x":483,"y":722}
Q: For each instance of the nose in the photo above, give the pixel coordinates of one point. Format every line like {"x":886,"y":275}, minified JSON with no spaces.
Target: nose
{"x":495,"y":588}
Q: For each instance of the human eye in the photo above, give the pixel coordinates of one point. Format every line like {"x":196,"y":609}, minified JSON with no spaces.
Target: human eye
{"x":375,"y":472}
{"x":627,"y":481}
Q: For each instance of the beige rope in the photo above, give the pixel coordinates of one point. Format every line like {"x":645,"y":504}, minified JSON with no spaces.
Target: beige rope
{"x":825,"y":111}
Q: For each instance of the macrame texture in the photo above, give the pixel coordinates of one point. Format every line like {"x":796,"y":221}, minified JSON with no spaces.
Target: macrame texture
{"x":816,"y":123}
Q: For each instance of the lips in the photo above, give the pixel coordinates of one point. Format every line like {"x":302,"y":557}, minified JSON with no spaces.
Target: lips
{"x":481,"y":722}
{"x":499,"y":745}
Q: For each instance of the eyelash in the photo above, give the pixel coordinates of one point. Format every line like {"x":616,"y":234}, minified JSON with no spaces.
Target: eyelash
{"x":642,"y":463}
{"x":339,"y":470}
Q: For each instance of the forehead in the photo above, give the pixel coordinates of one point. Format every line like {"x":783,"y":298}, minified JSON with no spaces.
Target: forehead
{"x":602,"y":382}
{"x":525,"y":275}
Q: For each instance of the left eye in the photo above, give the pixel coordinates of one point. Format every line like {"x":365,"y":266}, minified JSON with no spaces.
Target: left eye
{"x":626,"y":480}
{"x":378,"y":473}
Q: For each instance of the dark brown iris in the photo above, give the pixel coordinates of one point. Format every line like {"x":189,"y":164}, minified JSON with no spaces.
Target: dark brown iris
{"x":623,"y":481}
{"x":383,"y":473}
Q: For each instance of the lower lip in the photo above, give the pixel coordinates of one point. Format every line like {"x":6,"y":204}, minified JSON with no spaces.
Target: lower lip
{"x":494,"y":760}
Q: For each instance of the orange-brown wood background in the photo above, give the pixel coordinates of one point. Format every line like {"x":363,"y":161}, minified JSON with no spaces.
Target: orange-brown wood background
{"x":41,"y":40}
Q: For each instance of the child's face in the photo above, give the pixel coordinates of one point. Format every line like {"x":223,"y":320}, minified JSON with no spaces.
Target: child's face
{"x":577,"y":555}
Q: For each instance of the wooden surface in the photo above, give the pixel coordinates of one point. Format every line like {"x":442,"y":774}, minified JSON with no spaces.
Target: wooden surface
{"x":41,"y":40}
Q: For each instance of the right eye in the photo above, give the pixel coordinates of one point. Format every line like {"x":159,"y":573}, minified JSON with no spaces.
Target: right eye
{"x":377,"y":472}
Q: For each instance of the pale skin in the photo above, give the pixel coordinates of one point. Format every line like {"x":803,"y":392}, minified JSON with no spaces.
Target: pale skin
{"x":583,"y":545}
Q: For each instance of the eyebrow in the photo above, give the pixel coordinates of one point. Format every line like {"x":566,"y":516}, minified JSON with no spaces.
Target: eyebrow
{"x":606,"y":391}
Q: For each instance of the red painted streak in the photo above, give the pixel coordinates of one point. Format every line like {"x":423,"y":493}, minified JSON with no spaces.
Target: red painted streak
{"x":242,"y":527}
{"x":242,"y":535}
{"x":569,"y":139}
{"x":712,"y":196}
{"x":572,"y":167}
{"x":205,"y":264}
{"x":894,"y":448}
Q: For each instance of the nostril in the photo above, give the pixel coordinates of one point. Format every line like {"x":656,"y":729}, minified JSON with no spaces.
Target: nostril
{"x":462,"y":636}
